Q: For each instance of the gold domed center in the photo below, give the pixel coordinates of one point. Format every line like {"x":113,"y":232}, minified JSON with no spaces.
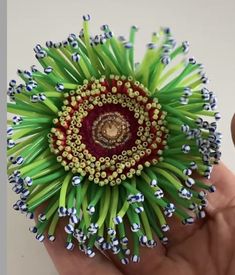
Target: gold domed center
{"x":110,"y":130}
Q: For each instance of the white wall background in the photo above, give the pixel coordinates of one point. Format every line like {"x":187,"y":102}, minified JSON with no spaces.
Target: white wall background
{"x":208,"y":25}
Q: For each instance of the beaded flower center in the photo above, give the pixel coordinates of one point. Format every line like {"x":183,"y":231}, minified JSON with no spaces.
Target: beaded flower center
{"x":108,"y":129}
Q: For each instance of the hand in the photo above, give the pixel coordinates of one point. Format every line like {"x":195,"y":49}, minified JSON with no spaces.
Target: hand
{"x":207,"y":247}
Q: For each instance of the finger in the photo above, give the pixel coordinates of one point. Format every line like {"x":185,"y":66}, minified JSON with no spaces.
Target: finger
{"x":233,"y":128}
{"x":75,"y":262}
{"x":148,"y":258}
{"x":180,"y":232}
{"x":210,"y":248}
{"x":224,"y":180}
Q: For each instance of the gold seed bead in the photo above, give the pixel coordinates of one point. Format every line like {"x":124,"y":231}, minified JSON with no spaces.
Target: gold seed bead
{"x":124,"y":152}
{"x":88,"y":163}
{"x":158,"y":107}
{"x":118,"y":180}
{"x":114,"y":174}
{"x":132,"y":171}
{"x":102,"y":89}
{"x":129,"y":152}
{"x":131,"y":94}
{"x":137,"y":142}
{"x":77,"y":165}
{"x":68,"y":109}
{"x":158,"y":140}
{"x":143,"y":138}
{"x":102,"y":159}
{"x":97,"y":174}
{"x":82,"y":164}
{"x":106,"y":181}
{"x":159,"y":133}
{"x":140,"y":121}
{"x":63,"y":163}
{"x":147,"y":163}
{"x":110,"y":178}
{"x":64,"y":154}
{"x":119,"y":83}
{"x":112,"y":161}
{"x":154,"y":161}
{"x":112,"y":183}
{"x":129,"y":175}
{"x":91,"y":177}
{"x":80,"y":170}
{"x":70,"y":165}
{"x":92,"y":158}
{"x":138,"y":172}
{"x":74,"y":170}
{"x":136,"y":115}
{"x":139,"y":147}
{"x":116,"y":77}
{"x":65,"y":102}
{"x":119,"y":170}
{"x":107,"y":165}
{"x":67,"y":168}
{"x":146,"y":134}
{"x":139,"y":133}
{"x":97,"y":163}
{"x":75,"y":159}
{"x":123,"y":177}
{"x":92,"y":165}
{"x":112,"y":168}
{"x":145,"y":99}
{"x":155,"y":100}
{"x":58,"y":142}
{"x":127,"y":84}
{"x":81,"y":156}
{"x":125,"y":158}
{"x":134,"y":149}
{"x":120,"y":157}
{"x":83,"y":173}
{"x":120,"y":165}
{"x":103,"y":175}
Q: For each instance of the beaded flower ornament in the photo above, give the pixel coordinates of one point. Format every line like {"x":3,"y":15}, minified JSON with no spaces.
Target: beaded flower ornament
{"x":109,"y":143}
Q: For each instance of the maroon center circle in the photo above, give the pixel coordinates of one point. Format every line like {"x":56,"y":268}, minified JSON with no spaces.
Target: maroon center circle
{"x":98,"y":150}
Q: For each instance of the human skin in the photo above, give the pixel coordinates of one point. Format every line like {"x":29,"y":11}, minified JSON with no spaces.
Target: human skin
{"x":206,"y":247}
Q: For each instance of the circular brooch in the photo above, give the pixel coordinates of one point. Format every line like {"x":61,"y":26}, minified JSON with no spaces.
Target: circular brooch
{"x":110,"y":143}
